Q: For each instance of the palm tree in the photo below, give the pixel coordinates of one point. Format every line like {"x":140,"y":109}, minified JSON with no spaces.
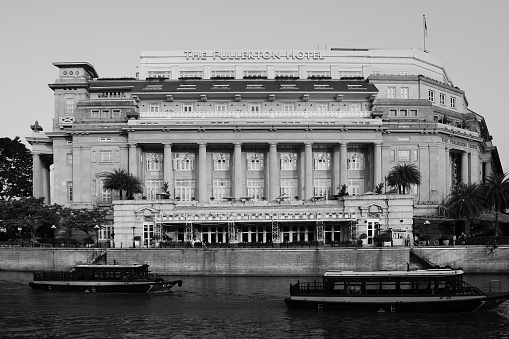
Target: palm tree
{"x":122,"y":181}
{"x":466,"y":201}
{"x":497,"y":194}
{"x":403,"y":176}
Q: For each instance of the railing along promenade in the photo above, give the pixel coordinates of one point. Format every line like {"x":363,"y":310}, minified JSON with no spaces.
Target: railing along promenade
{"x":239,"y":114}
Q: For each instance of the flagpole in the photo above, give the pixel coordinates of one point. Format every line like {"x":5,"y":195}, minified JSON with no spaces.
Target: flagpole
{"x":424,"y":30}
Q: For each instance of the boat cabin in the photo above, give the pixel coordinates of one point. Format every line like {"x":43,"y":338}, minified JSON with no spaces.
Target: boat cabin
{"x":100,"y":272}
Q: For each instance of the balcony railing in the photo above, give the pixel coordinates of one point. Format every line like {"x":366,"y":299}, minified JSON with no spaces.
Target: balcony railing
{"x":256,"y":115}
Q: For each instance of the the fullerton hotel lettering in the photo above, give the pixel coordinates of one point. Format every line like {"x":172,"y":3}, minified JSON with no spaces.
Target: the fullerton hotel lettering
{"x":253,"y":55}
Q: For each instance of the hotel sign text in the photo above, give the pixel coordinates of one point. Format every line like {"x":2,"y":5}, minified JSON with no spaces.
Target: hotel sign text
{"x":459,"y":143}
{"x":254,"y":55}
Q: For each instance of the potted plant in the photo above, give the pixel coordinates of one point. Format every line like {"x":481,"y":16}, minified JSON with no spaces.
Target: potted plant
{"x":444,"y":239}
{"x":363,"y":238}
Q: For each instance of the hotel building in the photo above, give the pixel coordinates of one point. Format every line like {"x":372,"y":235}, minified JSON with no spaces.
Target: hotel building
{"x":255,"y":146}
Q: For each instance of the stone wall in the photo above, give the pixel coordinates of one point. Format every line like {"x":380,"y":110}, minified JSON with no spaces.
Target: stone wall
{"x":262,"y":262}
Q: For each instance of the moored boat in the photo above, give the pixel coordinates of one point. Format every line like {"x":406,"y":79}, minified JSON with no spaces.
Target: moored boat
{"x":103,"y":279}
{"x":433,"y":290}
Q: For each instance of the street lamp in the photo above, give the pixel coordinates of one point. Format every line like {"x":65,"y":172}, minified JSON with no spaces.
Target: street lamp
{"x":426,"y":228}
{"x":134,"y":244}
{"x":97,"y":227}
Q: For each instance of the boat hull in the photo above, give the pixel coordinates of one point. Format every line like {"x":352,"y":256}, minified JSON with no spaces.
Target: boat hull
{"x":442,"y":304}
{"x":104,"y":286}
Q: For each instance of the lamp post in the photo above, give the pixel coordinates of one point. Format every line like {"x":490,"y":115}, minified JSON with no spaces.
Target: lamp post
{"x":97,"y":227}
{"x":134,"y":244}
{"x":426,"y":228}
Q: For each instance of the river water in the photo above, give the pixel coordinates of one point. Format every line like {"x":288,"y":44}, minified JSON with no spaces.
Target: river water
{"x":221,"y":307}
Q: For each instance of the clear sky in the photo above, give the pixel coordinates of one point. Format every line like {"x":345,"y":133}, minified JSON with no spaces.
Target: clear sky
{"x":471,"y":37}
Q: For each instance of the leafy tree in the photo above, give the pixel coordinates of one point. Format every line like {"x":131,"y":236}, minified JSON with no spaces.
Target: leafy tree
{"x":466,"y":201}
{"x":82,"y":219}
{"x":15,"y":169}
{"x":121,"y":181}
{"x":403,"y":176}
{"x":497,"y":194}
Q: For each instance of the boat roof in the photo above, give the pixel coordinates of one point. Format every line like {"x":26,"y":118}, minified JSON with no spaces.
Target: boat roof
{"x":437,"y":272}
{"x":112,"y":266}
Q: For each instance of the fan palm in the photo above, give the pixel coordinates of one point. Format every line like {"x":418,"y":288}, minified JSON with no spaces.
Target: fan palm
{"x":403,"y":176}
{"x":121,"y":181}
{"x":466,"y":201}
{"x":497,"y":194}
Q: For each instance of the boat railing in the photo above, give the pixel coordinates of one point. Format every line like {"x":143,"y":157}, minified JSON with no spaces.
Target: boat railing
{"x":53,"y":276}
{"x":307,"y":288}
{"x":466,"y":288}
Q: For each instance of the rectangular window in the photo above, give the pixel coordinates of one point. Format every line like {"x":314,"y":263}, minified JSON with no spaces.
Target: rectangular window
{"x":393,"y":155}
{"x":221,"y":161}
{"x":68,"y":158}
{"x":152,"y":187}
{"x":255,"y":73}
{"x":69,"y":191}
{"x":403,"y":113}
{"x":322,"y":161}
{"x":403,"y":155}
{"x":105,"y":156}
{"x":115,"y":113}
{"x":69,"y":105}
{"x":187,"y":107}
{"x":288,"y":106}
{"x":221,"y":107}
{"x":255,"y":188}
{"x":221,"y":188}
{"x":413,"y":113}
{"x":154,"y":107}
{"x":95,"y":113}
{"x":105,"y":194}
{"x":350,"y":73}
{"x":319,"y":74}
{"x":442,"y":99}
{"x":255,"y":107}
{"x":154,"y":161}
{"x":289,"y":187}
{"x":191,"y":74}
{"x":391,"y":92}
{"x":393,"y":113}
{"x":404,"y":92}
{"x":453,"y":102}
{"x":431,"y":96}
{"x":106,"y":232}
{"x":184,"y":189}
{"x":287,"y":73}
{"x":288,"y":161}
{"x":255,"y":161}
{"x":222,"y":74}
{"x":105,"y":114}
{"x":159,"y":74}
{"x":183,"y":161}
{"x":355,"y":160}
{"x":322,"y":187}
{"x":355,"y":186}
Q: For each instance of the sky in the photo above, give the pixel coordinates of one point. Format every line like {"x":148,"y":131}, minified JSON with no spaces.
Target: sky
{"x":470,"y":37}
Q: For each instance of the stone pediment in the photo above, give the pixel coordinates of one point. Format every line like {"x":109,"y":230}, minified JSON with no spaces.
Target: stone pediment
{"x":373,"y":210}
{"x":146,"y":211}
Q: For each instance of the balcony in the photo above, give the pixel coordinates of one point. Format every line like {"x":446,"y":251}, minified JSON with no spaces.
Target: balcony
{"x":257,"y":115}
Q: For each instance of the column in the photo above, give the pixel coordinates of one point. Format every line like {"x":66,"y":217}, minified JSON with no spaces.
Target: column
{"x":37,"y":175}
{"x":377,"y":170}
{"x":77,"y":184}
{"x":85,"y":175}
{"x":273,"y":172}
{"x":474,"y":165}
{"x":133,"y":159}
{"x":343,"y":164}
{"x":447,"y":171}
{"x":45,"y":184}
{"x":202,"y":172}
{"x":336,"y":169}
{"x":168,"y":169}
{"x":238,"y":173}
{"x":487,"y":170}
{"x":464,"y":168}
{"x":308,"y":160}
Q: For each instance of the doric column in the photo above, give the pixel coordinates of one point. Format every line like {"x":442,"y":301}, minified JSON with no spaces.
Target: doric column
{"x":202,"y":172}
{"x":464,"y":168}
{"x":238,"y":173}
{"x":168,"y":169}
{"x":37,"y":175}
{"x":308,"y":160}
{"x":343,"y":166}
{"x":133,"y":159}
{"x":377,"y":164}
{"x":273,"y":172}
{"x":336,"y":169}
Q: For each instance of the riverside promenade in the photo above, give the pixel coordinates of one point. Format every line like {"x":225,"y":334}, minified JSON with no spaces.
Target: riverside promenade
{"x":262,"y":262}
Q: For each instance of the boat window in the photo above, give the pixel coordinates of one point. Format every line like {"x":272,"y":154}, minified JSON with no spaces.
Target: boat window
{"x":372,"y":287}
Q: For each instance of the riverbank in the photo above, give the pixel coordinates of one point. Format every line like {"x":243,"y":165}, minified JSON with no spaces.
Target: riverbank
{"x":261,"y":262}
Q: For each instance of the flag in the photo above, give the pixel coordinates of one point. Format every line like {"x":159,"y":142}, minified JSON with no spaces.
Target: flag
{"x":425,"y":26}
